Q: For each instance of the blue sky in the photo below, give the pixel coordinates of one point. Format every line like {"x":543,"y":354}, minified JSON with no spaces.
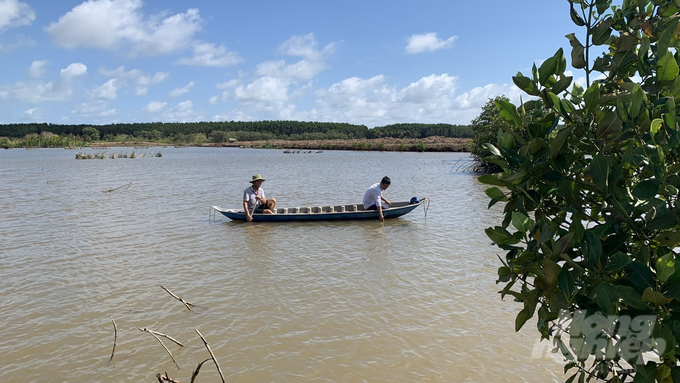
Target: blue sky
{"x":361,"y":62}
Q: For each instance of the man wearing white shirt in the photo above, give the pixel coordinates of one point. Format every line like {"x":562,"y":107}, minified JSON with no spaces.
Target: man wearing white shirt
{"x":373,"y":199}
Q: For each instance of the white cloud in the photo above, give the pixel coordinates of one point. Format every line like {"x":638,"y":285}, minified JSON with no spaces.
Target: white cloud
{"x":107,"y":90}
{"x":14,"y":13}
{"x":182,"y":112}
{"x":136,"y":77}
{"x":263,"y":89}
{"x":30,"y":112}
{"x":154,"y":106}
{"x":74,"y":70}
{"x":312,"y":63}
{"x":34,"y":91}
{"x":120,"y":24}
{"x":180,"y":91}
{"x":428,"y":42}
{"x":37,"y":68}
{"x":208,"y":54}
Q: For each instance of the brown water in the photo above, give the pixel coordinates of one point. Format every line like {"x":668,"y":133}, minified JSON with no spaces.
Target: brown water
{"x":409,"y":300}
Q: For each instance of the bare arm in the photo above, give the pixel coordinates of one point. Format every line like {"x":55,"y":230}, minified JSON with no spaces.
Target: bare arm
{"x":245,"y":207}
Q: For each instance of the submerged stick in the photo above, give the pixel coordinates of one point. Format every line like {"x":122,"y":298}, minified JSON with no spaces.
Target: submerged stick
{"x":187,"y":304}
{"x":162,"y":344}
{"x":165,"y":378}
{"x":211,"y":355}
{"x":120,"y":187}
{"x":198,"y":368}
{"x":115,"y":339}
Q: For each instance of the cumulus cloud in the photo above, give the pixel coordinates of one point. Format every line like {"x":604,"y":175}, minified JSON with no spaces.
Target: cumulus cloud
{"x":14,"y":13}
{"x":154,"y":106}
{"x":121,"y":24}
{"x":312,"y":63}
{"x":60,"y":89}
{"x":182,"y":112}
{"x":263,"y":89}
{"x":180,"y":91}
{"x":134,"y":77}
{"x":428,"y":42}
{"x":96,"y":108}
{"x":37,"y":68}
{"x":108,"y":90}
{"x":208,"y":54}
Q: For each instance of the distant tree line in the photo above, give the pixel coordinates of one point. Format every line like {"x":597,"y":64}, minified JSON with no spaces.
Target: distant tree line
{"x":192,"y":132}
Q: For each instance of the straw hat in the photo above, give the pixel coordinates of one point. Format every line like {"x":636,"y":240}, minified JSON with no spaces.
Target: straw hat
{"x":257,"y":177}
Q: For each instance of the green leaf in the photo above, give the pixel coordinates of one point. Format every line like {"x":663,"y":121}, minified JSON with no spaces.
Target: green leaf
{"x":646,"y":189}
{"x":490,"y":179}
{"x":667,"y":68}
{"x":654,"y":127}
{"x":602,"y":6}
{"x":618,"y":262}
{"x":508,"y":111}
{"x":665,"y":267}
{"x":601,"y":31}
{"x":575,"y":17}
{"x":606,"y":297}
{"x":521,"y":222}
{"x":646,"y":373}
{"x":640,"y":274}
{"x":561,"y":85}
{"x":550,"y":67}
{"x":668,"y":238}
{"x":578,"y":57}
{"x":565,"y":281}
{"x":500,"y":236}
{"x":560,"y":141}
{"x":631,"y":297}
{"x":654,"y":297}
{"x":525,"y":84}
{"x":592,"y":98}
{"x":506,"y":141}
{"x":599,"y":171}
{"x":494,"y":192}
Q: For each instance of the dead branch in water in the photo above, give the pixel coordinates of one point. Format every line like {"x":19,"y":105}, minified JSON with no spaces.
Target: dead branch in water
{"x":165,"y":378}
{"x":162,"y":344}
{"x":187,"y":304}
{"x":198,"y":368}
{"x":120,"y":187}
{"x":115,"y":339}
{"x":211,"y":355}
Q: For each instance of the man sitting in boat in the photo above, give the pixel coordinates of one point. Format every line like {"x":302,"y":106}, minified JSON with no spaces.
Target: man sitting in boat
{"x":373,"y":199}
{"x":254,"y":200}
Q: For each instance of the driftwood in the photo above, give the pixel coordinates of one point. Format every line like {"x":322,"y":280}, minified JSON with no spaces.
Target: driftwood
{"x":115,"y":339}
{"x":162,"y":344}
{"x":127,"y":186}
{"x":187,"y":304}
{"x":165,"y":378}
{"x":198,"y":368}
{"x":211,"y":355}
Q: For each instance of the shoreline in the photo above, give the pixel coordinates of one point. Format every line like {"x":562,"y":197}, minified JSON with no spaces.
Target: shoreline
{"x":429,"y":144}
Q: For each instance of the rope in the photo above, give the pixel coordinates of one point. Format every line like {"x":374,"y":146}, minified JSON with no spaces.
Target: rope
{"x":424,"y":206}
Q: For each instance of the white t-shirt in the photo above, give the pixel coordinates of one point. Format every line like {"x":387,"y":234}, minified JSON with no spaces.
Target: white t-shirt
{"x":249,"y":196}
{"x":372,"y":196}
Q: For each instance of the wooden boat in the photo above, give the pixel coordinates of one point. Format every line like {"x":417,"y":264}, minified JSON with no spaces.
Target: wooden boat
{"x":323,"y":213}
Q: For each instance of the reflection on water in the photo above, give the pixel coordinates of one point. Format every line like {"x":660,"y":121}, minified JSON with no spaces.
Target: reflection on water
{"x":408,"y":299}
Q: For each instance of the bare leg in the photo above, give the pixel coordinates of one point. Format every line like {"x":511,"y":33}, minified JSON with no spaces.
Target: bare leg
{"x":270,"y":206}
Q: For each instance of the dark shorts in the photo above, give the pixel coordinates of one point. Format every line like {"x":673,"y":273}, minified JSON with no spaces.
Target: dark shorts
{"x":372,"y":207}
{"x":259,"y":209}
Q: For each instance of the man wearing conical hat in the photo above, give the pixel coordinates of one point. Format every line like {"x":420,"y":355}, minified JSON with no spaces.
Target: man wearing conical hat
{"x":254,"y":201}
